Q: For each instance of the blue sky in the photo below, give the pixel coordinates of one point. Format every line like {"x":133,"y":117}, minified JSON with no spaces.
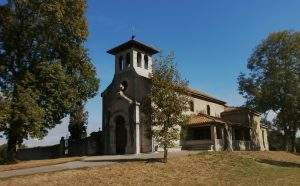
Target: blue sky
{"x":212,"y":40}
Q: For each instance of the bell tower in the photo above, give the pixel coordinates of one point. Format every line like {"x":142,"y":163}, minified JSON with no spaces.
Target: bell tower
{"x":123,"y":132}
{"x":133,"y":55}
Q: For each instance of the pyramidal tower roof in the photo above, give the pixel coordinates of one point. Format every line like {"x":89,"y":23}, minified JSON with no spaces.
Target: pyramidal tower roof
{"x":133,"y":44}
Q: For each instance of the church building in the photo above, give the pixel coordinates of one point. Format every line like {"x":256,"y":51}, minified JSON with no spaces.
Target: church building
{"x":212,"y":124}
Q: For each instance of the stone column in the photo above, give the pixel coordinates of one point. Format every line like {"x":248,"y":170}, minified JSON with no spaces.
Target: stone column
{"x":222,"y":137}
{"x":213,"y":135}
{"x":137,"y":128}
{"x":222,"y":130}
{"x":229,"y":137}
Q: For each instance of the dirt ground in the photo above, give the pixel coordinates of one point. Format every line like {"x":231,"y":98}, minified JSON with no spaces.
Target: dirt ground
{"x":207,"y":168}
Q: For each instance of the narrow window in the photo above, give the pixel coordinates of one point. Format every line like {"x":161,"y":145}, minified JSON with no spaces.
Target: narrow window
{"x":146,"y":61}
{"x":121,"y":63}
{"x":139,"y":58}
{"x":208,"y":109}
{"x":191,"y":105}
{"x":127,"y":60}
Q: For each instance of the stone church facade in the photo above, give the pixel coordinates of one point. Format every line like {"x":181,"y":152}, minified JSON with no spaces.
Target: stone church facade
{"x":212,"y":124}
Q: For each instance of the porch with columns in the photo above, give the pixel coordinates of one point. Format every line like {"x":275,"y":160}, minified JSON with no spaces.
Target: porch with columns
{"x":203,"y":132}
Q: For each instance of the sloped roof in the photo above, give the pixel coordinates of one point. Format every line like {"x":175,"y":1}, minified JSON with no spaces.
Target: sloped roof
{"x":239,"y":109}
{"x":203,"y":120}
{"x":133,"y":44}
{"x":204,"y":96}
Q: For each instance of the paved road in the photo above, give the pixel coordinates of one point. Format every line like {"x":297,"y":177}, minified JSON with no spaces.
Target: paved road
{"x":92,"y":161}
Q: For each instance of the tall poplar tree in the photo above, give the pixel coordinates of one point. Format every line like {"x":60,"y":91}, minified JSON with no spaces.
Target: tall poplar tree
{"x":78,"y":123}
{"x":166,"y":103}
{"x":44,"y":67}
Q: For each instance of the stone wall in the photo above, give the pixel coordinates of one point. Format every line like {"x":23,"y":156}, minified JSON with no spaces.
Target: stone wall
{"x":236,"y":117}
{"x":91,"y":145}
{"x":37,"y":153}
{"x":200,"y":106}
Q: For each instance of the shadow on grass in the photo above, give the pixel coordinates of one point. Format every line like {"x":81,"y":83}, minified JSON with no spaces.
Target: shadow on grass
{"x":145,"y":160}
{"x":149,"y":160}
{"x":279,"y":163}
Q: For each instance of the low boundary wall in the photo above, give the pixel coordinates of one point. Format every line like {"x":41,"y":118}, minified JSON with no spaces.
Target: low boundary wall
{"x":91,"y":145}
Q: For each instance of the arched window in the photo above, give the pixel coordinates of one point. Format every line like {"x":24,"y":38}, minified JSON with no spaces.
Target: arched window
{"x":208,"y":109}
{"x":191,"y":106}
{"x":120,"y":63}
{"x":139,"y":59}
{"x":146,"y":61}
{"x":127,"y":60}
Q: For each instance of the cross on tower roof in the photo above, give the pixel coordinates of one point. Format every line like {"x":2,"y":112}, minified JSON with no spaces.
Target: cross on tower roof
{"x":133,"y":34}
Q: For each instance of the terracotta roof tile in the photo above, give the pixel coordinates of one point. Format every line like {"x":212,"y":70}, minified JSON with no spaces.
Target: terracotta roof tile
{"x":203,"y":119}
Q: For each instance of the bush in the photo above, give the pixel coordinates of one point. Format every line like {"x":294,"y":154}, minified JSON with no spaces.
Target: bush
{"x":2,"y":153}
{"x":276,"y":140}
{"x":297,"y":145}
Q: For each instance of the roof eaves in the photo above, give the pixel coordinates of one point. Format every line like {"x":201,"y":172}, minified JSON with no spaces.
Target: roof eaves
{"x":204,"y":96}
{"x":133,"y":43}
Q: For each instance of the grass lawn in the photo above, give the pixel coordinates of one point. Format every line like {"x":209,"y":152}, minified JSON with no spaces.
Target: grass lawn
{"x":36,"y":163}
{"x":209,"y":168}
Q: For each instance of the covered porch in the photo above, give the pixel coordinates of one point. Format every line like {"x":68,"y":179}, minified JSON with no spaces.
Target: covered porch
{"x":241,"y":137}
{"x":203,"y":132}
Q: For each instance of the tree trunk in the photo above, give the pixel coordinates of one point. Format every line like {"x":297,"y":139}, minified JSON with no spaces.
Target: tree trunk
{"x":11,"y":146}
{"x":12,"y":133}
{"x":293,"y":141}
{"x":286,"y":140}
{"x":165,"y":154}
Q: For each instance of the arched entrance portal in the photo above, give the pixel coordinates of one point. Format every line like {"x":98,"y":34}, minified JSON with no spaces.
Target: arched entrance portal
{"x":121,"y":135}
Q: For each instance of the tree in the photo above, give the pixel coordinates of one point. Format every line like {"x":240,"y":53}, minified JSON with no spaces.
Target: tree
{"x":4,"y":113}
{"x":273,"y":82}
{"x":45,"y":70}
{"x":275,"y":139}
{"x":166,"y":103}
{"x":275,"y":136}
{"x":78,"y":123}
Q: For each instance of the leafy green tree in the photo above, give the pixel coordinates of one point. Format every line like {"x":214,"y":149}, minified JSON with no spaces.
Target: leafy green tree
{"x":166,"y":103}
{"x":45,"y":70}
{"x":4,"y":113}
{"x":273,"y":81}
{"x":78,"y":123}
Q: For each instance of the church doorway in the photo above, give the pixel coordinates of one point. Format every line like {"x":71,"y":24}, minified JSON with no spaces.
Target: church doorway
{"x":121,"y":135}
